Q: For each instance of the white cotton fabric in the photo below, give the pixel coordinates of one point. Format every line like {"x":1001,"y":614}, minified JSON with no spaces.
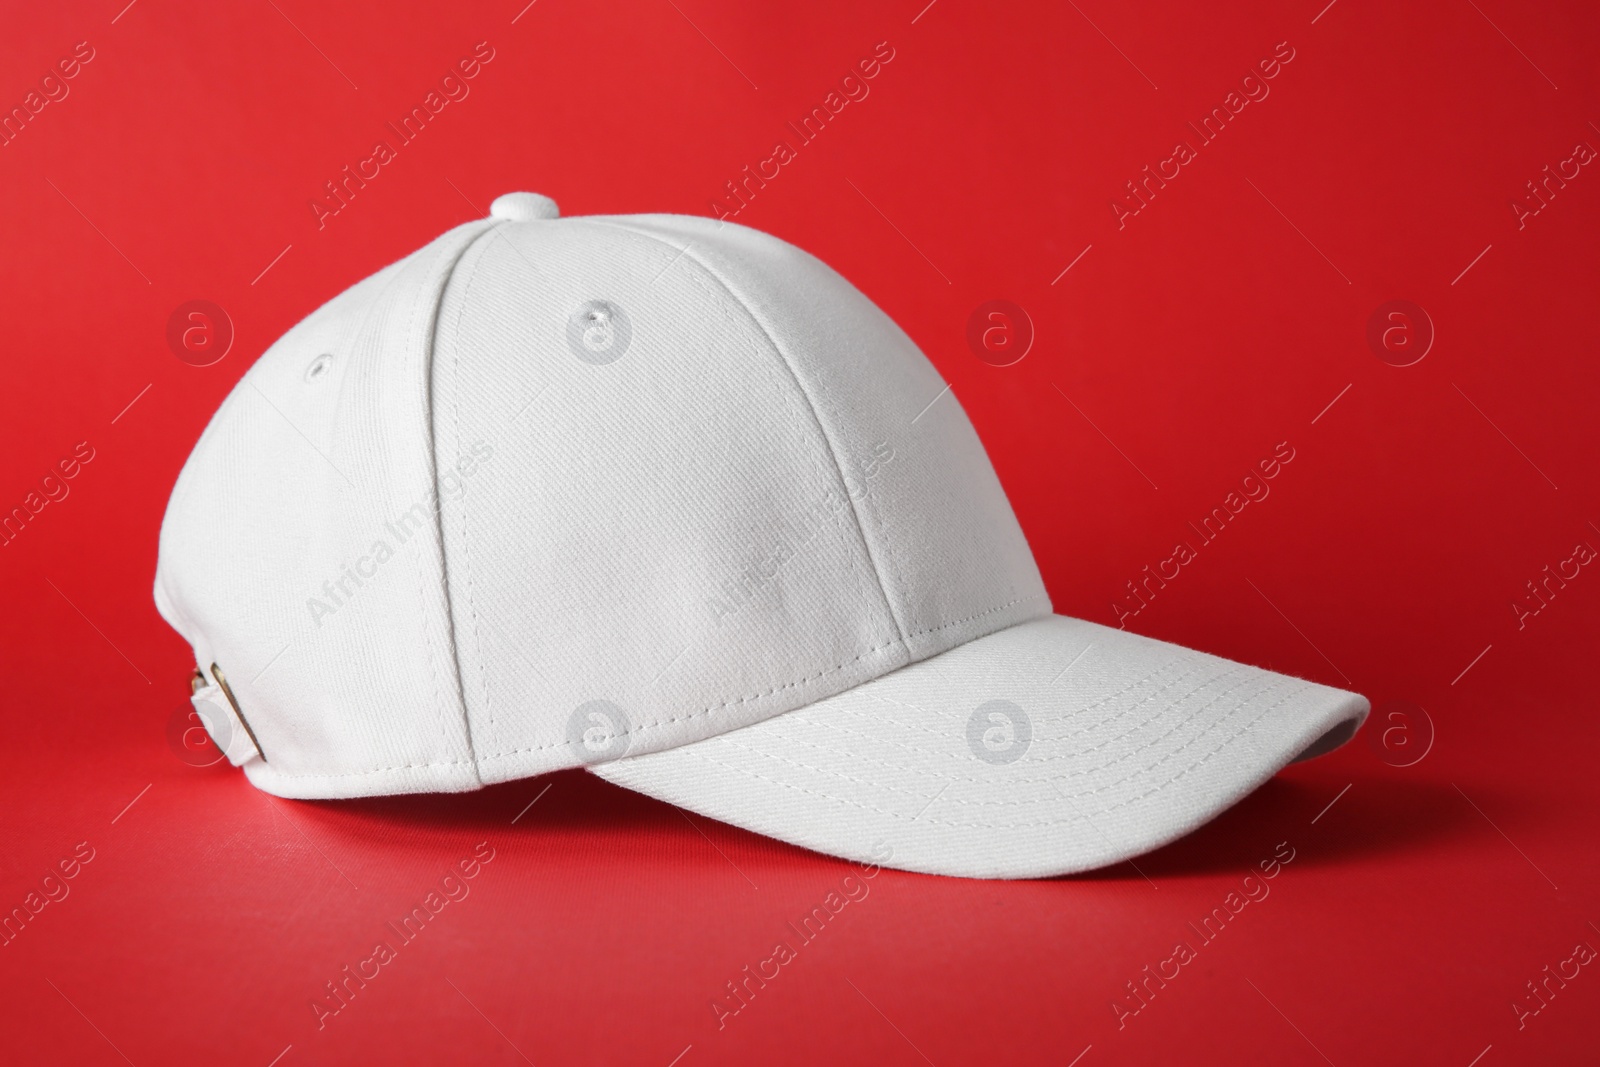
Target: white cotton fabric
{"x":1134,"y":742}
{"x":450,"y":514}
{"x":741,"y":515}
{"x":291,"y":485}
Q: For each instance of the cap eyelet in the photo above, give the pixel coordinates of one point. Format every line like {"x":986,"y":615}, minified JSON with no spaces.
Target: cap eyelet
{"x":319,"y":368}
{"x":598,"y":332}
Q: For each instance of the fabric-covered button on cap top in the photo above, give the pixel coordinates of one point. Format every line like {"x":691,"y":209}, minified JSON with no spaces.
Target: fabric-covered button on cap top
{"x":524,"y":207}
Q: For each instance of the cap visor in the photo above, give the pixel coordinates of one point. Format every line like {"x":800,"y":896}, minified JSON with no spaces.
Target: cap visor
{"x":1053,"y":746}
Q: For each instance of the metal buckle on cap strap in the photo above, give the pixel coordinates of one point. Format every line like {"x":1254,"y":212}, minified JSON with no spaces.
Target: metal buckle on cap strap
{"x":219,"y":711}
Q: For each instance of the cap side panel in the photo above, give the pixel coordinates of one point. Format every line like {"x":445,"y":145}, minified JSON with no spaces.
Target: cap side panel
{"x":295,"y":551}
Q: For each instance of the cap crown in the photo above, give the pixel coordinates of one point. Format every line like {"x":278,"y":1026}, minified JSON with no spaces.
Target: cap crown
{"x":570,"y":489}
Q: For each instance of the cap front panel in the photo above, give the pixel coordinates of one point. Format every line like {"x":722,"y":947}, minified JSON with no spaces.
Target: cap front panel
{"x":952,"y":559}
{"x":648,"y":539}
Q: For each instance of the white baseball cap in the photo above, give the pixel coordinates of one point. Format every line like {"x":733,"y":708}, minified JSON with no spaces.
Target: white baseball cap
{"x":671,"y":499}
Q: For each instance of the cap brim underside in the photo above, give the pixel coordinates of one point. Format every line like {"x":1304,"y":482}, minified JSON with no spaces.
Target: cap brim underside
{"x":1050,"y":747}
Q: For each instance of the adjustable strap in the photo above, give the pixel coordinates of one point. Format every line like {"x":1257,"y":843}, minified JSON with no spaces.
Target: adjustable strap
{"x":214,"y":702}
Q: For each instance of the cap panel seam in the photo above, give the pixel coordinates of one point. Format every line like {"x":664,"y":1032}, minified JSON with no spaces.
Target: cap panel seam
{"x":466,"y":539}
{"x":795,"y":403}
{"x":884,"y":567}
{"x":658,"y":725}
{"x":422,"y":602}
{"x":821,"y":427}
{"x":750,"y":774}
{"x":429,"y":345}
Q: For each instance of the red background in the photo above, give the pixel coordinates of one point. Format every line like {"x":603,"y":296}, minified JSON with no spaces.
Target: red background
{"x":1222,"y":319}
